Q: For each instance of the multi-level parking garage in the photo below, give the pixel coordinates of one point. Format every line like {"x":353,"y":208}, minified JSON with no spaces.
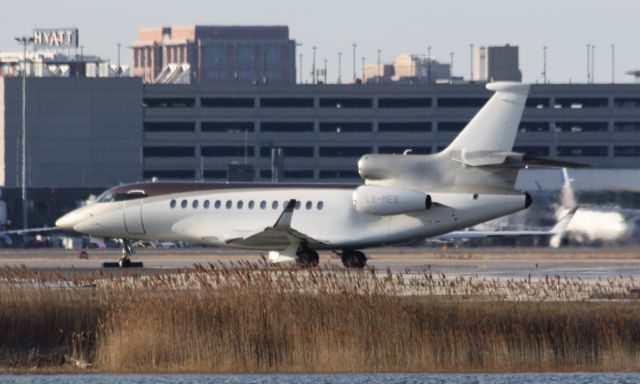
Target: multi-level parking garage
{"x":192,"y":130}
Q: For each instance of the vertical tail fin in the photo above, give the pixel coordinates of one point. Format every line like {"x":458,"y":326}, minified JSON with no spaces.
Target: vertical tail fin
{"x":493,"y":129}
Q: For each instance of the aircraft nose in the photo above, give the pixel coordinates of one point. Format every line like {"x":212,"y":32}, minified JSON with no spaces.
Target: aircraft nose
{"x":68,"y":221}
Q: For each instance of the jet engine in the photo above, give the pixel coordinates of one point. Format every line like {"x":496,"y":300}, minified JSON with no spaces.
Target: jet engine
{"x":384,"y":201}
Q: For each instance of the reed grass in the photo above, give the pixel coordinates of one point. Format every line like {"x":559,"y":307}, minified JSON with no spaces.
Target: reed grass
{"x":252,"y":318}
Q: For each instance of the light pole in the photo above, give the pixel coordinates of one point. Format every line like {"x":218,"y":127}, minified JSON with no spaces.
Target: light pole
{"x":451,"y":69}
{"x":354,"y":63}
{"x":339,"y":67}
{"x":379,"y":62}
{"x":544,"y":64}
{"x":313,"y":66}
{"x":299,"y":44}
{"x":25,"y":40}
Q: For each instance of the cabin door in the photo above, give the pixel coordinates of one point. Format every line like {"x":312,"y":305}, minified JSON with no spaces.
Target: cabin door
{"x":133,"y":217}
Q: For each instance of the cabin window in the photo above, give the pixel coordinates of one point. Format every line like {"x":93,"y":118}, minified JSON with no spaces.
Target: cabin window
{"x":218,"y":204}
{"x":251,"y":204}
{"x":172,"y":204}
{"x":206,"y":204}
{"x":308,"y":205}
{"x":229,"y":204}
{"x":274,"y":205}
{"x":475,"y":196}
{"x":183,"y":204}
{"x":320,"y":205}
{"x":298,"y":204}
{"x":195,"y":204}
{"x":239,"y":204}
{"x":263,"y":204}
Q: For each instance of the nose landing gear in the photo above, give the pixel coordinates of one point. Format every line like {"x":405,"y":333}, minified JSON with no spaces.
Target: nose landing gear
{"x":125,"y":261}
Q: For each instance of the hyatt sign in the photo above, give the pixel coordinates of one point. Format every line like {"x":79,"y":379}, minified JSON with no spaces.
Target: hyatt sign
{"x":55,"y":38}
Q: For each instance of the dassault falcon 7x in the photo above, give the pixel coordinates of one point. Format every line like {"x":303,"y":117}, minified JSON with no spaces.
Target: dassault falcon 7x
{"x":403,"y":197}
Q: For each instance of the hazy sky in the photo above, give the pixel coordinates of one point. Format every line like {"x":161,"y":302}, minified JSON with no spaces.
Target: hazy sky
{"x":395,"y":27}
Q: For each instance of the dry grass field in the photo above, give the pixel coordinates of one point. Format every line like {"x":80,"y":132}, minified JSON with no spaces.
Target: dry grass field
{"x":251,"y":318}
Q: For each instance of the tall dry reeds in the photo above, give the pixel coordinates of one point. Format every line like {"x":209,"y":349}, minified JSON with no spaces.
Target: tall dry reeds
{"x":252,"y":319}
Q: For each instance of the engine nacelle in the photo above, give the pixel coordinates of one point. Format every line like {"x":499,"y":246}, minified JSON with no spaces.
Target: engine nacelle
{"x":384,"y":201}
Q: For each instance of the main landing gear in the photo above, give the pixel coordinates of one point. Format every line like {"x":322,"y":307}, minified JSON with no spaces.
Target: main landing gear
{"x":353,"y":259}
{"x":125,"y":261}
{"x":307,"y":257}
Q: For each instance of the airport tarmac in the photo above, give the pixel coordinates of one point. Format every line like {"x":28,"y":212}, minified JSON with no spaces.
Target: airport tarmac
{"x":518,"y":263}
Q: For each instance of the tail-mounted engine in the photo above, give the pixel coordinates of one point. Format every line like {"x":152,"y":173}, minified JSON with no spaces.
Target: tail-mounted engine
{"x":384,"y":201}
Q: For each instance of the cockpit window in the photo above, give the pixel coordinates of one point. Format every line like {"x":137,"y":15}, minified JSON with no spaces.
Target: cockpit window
{"x":105,"y":198}
{"x":108,"y":197}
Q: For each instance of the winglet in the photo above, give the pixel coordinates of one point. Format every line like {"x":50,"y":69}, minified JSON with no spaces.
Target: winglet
{"x":284,"y":221}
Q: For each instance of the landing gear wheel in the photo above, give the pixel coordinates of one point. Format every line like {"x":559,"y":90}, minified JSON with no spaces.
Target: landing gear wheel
{"x":125,"y":261}
{"x":354,"y":259}
{"x":307,"y":257}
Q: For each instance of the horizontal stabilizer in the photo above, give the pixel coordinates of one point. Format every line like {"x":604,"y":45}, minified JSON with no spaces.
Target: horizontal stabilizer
{"x":542,"y":162}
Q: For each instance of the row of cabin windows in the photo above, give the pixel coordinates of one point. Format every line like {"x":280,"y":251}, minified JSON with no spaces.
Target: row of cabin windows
{"x":383,"y":102}
{"x":239,"y":204}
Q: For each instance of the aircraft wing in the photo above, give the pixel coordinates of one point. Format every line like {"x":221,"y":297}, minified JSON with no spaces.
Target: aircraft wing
{"x":29,"y":230}
{"x":557,"y":229}
{"x":279,"y":234}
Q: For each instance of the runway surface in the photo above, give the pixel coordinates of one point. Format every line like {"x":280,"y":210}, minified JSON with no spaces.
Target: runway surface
{"x":503,"y":263}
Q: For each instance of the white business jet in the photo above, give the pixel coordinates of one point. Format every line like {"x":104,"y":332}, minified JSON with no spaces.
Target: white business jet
{"x":403,"y":198}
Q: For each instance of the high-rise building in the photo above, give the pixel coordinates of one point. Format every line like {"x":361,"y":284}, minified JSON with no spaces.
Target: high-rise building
{"x":422,"y":68}
{"x":496,"y":64}
{"x":215,"y":54}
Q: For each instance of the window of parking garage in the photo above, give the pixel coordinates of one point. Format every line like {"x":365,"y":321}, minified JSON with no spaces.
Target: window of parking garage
{"x":462,"y":102}
{"x":532,"y":150}
{"x":346,"y":127}
{"x":582,"y":151}
{"x":345,"y":102}
{"x":169,"y":126}
{"x":451,"y":126}
{"x":626,"y":102}
{"x":225,"y":151}
{"x":227,"y":102}
{"x":265,"y":174}
{"x":404,"y":127}
{"x":299,"y":174}
{"x":582,"y":126}
{"x":286,"y":102}
{"x":626,"y":151}
{"x":168,"y":102}
{"x":537,"y":102}
{"x":350,"y":151}
{"x":227,"y":126}
{"x":581,"y":102}
{"x":533,"y":126}
{"x":169,"y":174}
{"x":265,"y":151}
{"x":217,"y":174}
{"x":286,"y":127}
{"x":168,"y":151}
{"x":626,"y":126}
{"x":399,"y":149}
{"x":404,"y":102}
{"x":339,"y":174}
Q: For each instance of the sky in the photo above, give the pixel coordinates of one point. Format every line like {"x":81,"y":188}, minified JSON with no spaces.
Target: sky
{"x":394,"y":27}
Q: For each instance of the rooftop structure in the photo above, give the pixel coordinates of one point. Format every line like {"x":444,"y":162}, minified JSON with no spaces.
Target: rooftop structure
{"x":215,"y":54}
